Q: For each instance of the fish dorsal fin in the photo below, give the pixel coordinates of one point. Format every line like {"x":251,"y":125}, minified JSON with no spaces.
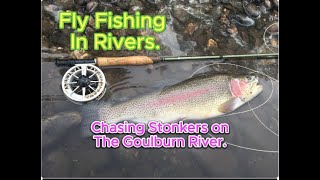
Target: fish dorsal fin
{"x":230,"y":105}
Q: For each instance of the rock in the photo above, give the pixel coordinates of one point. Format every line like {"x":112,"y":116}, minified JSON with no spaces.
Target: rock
{"x":263,"y":9}
{"x":236,"y":3}
{"x":232,"y":29}
{"x":273,"y":29}
{"x":252,"y":10}
{"x":191,"y":28}
{"x":177,"y":26}
{"x":91,"y":21}
{"x":52,"y":128}
{"x":212,"y":44}
{"x":224,"y":20}
{"x":276,"y":3}
{"x":91,"y":6}
{"x":273,"y":17}
{"x":202,"y":39}
{"x":180,"y":13}
{"x":152,"y":1}
{"x":217,"y":11}
{"x":133,"y":9}
{"x":66,"y":4}
{"x":81,"y":2}
{"x":60,"y":38}
{"x":48,"y":25}
{"x":79,"y":54}
{"x":53,"y":10}
{"x":124,"y":5}
{"x":110,"y":1}
{"x":242,"y":20}
{"x":81,"y":11}
{"x":56,"y":164}
{"x":204,"y":1}
{"x":274,"y":42}
{"x":193,"y":2}
{"x":215,"y":2}
{"x":267,"y":4}
{"x":136,"y":3}
{"x":136,"y":6}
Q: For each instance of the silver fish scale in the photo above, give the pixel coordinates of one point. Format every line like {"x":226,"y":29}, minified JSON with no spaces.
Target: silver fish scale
{"x":195,"y":98}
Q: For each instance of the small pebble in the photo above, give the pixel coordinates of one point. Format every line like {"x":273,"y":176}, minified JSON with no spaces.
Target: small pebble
{"x":212,"y":44}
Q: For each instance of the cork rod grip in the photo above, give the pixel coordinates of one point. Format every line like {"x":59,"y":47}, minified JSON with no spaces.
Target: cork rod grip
{"x":130,"y":60}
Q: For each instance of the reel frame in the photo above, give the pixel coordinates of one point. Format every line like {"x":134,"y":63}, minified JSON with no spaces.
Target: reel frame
{"x":83,"y":83}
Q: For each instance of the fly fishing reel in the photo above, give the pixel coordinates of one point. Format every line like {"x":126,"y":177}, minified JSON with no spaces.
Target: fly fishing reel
{"x":83,"y":83}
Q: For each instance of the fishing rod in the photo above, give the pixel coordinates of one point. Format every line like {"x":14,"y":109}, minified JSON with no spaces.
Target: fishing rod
{"x":85,"y":82}
{"x":144,"y":60}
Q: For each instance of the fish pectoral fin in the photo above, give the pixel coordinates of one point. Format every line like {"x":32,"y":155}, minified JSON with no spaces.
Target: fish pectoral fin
{"x":230,"y":105}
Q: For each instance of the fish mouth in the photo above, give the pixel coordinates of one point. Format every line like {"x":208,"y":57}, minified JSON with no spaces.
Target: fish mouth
{"x":258,"y":89}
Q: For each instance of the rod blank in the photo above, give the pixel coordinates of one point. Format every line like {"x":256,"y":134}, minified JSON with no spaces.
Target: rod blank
{"x":143,"y":60}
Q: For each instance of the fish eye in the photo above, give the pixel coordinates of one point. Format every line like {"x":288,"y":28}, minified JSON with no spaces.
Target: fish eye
{"x":251,"y":78}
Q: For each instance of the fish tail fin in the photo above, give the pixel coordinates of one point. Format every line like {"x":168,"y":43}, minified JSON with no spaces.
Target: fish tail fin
{"x":92,"y":112}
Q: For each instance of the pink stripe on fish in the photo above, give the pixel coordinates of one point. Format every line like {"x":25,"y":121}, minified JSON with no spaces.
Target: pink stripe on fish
{"x":180,"y":97}
{"x":236,"y":87}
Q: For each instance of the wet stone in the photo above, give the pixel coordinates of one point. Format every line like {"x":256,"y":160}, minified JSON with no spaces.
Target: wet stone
{"x":204,"y":1}
{"x":263,"y":9}
{"x":91,"y":21}
{"x":81,"y":11}
{"x":237,"y":4}
{"x":243,"y":20}
{"x":232,"y":29}
{"x":212,"y":44}
{"x":224,"y":19}
{"x":152,"y":1}
{"x":216,"y":2}
{"x":59,"y":38}
{"x":48,"y":25}
{"x":81,"y":2}
{"x":181,"y":14}
{"x":273,"y":29}
{"x":53,"y":10}
{"x":111,"y":1}
{"x":66,"y":4}
{"x":252,"y":10}
{"x":267,"y":4}
{"x":191,"y":28}
{"x":91,"y":6}
{"x":124,"y":5}
{"x":276,"y":3}
{"x":79,"y":54}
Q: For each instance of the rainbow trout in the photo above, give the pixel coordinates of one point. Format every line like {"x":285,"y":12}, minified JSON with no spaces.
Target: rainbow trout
{"x":197,"y":98}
